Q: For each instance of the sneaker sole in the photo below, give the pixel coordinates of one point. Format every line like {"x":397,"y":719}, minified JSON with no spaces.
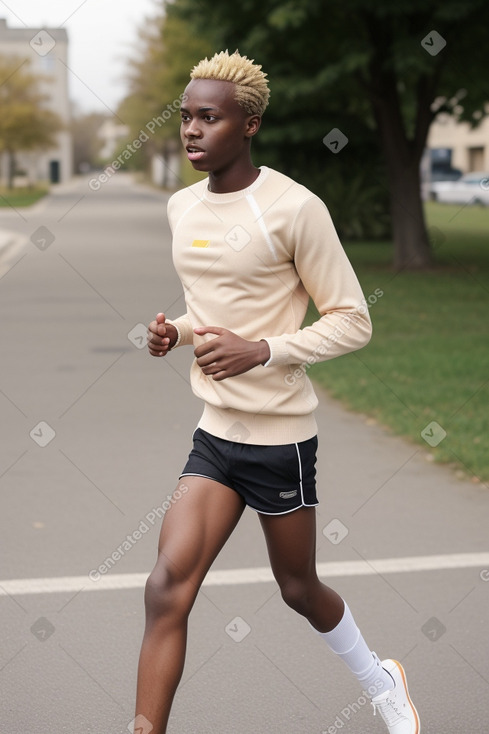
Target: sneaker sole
{"x":403,"y":676}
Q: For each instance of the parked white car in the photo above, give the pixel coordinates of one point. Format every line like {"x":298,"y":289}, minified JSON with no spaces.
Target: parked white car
{"x":472,"y":188}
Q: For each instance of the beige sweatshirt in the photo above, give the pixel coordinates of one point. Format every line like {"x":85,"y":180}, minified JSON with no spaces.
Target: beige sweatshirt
{"x":248,"y":261}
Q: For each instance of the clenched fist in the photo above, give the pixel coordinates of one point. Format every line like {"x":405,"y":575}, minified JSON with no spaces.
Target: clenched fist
{"x":161,"y":336}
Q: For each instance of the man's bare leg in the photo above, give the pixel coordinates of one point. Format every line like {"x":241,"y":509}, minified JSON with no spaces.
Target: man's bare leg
{"x":193,"y":532}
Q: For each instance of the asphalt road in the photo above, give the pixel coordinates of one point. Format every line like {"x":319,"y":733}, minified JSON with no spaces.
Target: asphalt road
{"x":93,"y":435}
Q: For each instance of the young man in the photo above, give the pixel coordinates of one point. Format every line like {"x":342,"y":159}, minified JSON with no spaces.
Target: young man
{"x":250,"y":246}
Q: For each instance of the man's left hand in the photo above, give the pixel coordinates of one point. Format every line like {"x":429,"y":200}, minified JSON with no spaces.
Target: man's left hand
{"x":228,"y":354}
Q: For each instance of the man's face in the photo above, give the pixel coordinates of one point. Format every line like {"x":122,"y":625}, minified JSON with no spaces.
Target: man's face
{"x":215,"y":130}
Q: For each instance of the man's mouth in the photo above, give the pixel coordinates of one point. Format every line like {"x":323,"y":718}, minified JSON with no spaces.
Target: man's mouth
{"x":194,"y":153}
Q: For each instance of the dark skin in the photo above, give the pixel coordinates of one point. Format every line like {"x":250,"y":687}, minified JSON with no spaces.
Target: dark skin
{"x":196,"y":527}
{"x":214,"y":122}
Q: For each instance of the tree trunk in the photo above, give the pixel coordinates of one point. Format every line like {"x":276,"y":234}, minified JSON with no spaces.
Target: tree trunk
{"x":411,"y":244}
{"x":403,"y":159}
{"x":10,"y":169}
{"x":164,"y":155}
{"x":402,"y":154}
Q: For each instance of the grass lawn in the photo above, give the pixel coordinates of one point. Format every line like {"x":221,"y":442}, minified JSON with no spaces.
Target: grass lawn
{"x":429,"y":355}
{"x":21,"y":196}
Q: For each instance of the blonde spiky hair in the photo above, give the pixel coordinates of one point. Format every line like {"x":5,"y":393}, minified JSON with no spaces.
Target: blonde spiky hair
{"x":252,"y":91}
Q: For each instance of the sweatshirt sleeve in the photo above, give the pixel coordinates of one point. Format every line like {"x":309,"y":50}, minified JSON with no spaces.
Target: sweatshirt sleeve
{"x":182,"y":323}
{"x":184,"y":328}
{"x":328,"y":277}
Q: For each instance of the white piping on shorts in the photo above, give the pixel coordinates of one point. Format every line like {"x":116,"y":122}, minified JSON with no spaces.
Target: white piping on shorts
{"x":303,"y":504}
{"x":262,"y":512}
{"x":300,"y":472}
{"x":286,"y":512}
{"x":203,"y":476}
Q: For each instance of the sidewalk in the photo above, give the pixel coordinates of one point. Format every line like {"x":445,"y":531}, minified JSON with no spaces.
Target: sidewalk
{"x":13,"y":241}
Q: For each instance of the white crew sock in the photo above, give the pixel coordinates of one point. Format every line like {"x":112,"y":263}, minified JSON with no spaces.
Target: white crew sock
{"x":346,"y":641}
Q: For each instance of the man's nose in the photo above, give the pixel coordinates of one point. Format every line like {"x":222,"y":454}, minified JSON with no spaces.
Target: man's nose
{"x":192,"y":130}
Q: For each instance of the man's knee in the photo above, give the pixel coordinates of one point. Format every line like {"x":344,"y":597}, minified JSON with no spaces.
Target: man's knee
{"x":167,"y":595}
{"x":296,"y":594}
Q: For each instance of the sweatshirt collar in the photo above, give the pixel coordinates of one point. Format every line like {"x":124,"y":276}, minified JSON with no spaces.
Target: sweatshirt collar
{"x":236,"y":195}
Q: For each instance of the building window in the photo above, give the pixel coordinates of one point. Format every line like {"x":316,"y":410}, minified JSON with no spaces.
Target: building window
{"x":476,"y":159}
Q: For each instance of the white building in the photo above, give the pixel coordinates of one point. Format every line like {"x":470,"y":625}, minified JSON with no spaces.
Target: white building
{"x":112,"y":133}
{"x":47,"y":51}
{"x":469,"y":146}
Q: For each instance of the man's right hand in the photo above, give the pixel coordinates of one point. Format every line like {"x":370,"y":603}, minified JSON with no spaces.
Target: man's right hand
{"x":161,"y":336}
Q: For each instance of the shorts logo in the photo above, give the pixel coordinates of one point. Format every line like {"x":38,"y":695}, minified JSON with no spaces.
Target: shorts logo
{"x":288,"y":495}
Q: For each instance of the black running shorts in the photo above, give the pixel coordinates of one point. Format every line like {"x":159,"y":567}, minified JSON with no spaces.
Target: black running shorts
{"x":273,"y":480}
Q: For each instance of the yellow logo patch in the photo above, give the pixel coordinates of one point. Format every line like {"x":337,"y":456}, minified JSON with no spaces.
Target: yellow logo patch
{"x":200,"y":243}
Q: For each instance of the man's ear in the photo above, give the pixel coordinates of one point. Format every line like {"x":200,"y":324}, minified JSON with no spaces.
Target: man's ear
{"x":252,"y":125}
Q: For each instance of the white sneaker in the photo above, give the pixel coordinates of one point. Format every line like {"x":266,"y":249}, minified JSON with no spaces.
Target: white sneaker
{"x":395,"y":706}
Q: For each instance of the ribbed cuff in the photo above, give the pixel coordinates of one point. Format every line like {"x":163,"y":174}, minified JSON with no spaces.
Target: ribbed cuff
{"x":184,"y":329}
{"x":179,"y":337}
{"x":278,"y":351}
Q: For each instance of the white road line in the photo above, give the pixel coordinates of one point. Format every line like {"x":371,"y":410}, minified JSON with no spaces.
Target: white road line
{"x":236,"y":576}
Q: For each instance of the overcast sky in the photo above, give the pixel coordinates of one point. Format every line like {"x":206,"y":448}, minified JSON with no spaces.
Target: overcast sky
{"x":102,"y":35}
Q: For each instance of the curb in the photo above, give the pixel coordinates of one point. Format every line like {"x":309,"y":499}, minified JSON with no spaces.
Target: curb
{"x":7,"y":239}
{"x":11,"y":243}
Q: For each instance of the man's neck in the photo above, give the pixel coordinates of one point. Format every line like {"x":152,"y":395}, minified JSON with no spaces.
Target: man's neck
{"x":234,"y":180}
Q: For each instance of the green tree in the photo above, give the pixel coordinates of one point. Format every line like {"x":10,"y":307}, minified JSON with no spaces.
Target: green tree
{"x":377,"y":70}
{"x":25,"y":123}
{"x":157,"y":78}
{"x":86,"y":143}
